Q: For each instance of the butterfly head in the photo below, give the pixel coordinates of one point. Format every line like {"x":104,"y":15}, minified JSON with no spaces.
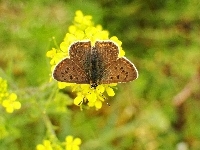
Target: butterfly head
{"x":94,"y":85}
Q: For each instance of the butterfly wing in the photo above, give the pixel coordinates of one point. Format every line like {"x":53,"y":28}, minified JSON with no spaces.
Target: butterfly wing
{"x":80,"y":54}
{"x":107,"y":51}
{"x":68,"y":71}
{"x":73,"y":69}
{"x":121,"y":70}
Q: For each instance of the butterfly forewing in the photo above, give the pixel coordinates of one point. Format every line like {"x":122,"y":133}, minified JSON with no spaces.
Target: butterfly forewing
{"x":122,"y":70}
{"x":107,"y":51}
{"x":80,"y":53}
{"x":68,"y":71}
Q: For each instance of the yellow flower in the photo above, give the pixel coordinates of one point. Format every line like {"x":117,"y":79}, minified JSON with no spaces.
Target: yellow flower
{"x":83,"y":28}
{"x":82,"y":21}
{"x":71,"y":143}
{"x":8,"y":100}
{"x":11,"y":104}
{"x":50,"y":145}
{"x":45,"y":146}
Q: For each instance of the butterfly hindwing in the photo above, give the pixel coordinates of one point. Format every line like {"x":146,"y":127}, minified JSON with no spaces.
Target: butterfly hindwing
{"x":122,"y":70}
{"x":68,"y":71}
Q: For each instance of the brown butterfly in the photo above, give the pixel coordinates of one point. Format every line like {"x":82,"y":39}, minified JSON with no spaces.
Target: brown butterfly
{"x":98,"y":64}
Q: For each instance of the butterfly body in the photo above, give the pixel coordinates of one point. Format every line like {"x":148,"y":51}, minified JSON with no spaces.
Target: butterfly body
{"x":94,"y":65}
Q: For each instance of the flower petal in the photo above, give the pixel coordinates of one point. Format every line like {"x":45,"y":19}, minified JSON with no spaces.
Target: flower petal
{"x":98,"y":104}
{"x":78,"y":100}
{"x":110,"y":91}
{"x":77,"y":141}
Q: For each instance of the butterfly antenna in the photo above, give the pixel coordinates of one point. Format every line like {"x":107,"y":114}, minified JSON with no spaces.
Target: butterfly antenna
{"x":108,"y":104}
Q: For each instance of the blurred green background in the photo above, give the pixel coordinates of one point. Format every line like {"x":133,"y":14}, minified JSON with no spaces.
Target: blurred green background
{"x":158,"y":111}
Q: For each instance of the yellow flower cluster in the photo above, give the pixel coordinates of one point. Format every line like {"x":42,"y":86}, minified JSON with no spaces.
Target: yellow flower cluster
{"x":69,"y":144}
{"x":45,"y":146}
{"x":83,"y":29}
{"x":8,"y":100}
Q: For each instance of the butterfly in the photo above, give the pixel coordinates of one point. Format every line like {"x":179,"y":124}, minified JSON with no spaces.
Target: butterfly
{"x":95,"y":65}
